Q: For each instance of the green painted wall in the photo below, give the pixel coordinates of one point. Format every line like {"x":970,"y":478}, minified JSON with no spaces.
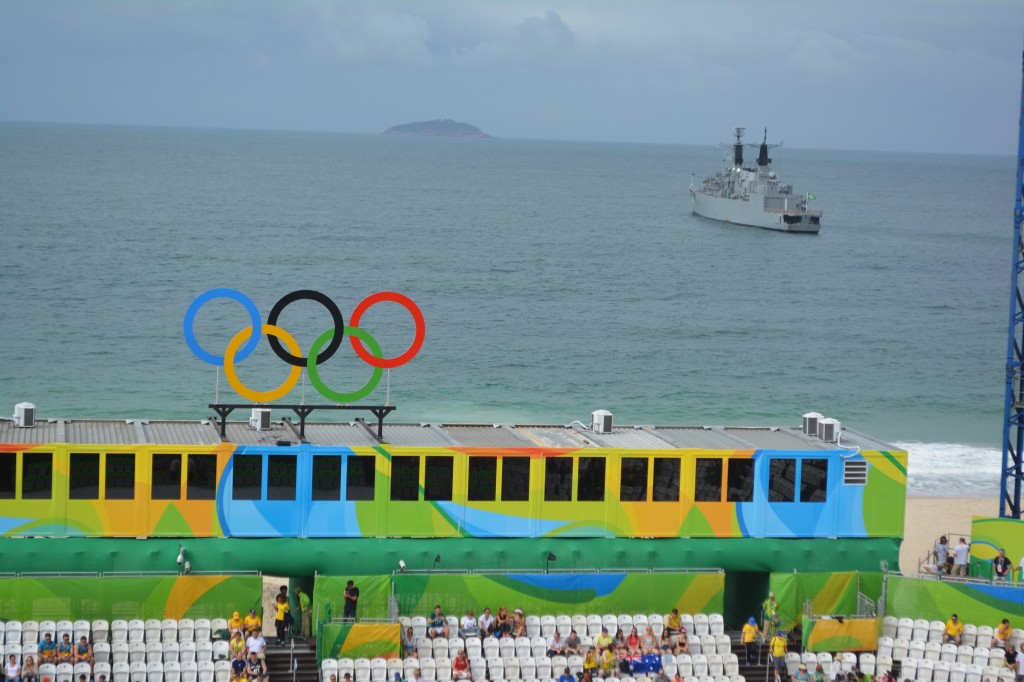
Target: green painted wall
{"x":936,"y":600}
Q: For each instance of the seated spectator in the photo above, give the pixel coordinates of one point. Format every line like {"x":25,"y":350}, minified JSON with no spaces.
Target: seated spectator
{"x":619,"y":643}
{"x":573,"y":645}
{"x":238,"y":666}
{"x":566,"y":676}
{"x":468,"y":626}
{"x":606,"y":662}
{"x":101,"y":678}
{"x":65,"y":650}
{"x":252,"y":622}
{"x":682,"y":645}
{"x":1001,"y":635}
{"x":953,"y":632}
{"x":648,"y":643}
{"x":47,"y":650}
{"x":83,"y":652}
{"x":662,"y":676}
{"x":588,"y":676}
{"x":409,"y":643}
{"x":1001,"y":567}
{"x":556,"y":647}
{"x":437,"y":624}
{"x":819,"y":674}
{"x":460,"y":667}
{"x":678,"y":677}
{"x":236,"y":622}
{"x":28,"y":670}
{"x":416,"y":676}
{"x":1012,"y":657}
{"x":83,"y":678}
{"x":665,"y":645}
{"x":486,"y":623}
{"x":674,"y":623}
{"x":255,"y":669}
{"x":603,"y":640}
{"x":518,"y":623}
{"x":256,"y":644}
{"x":12,"y":671}
{"x":801,"y":674}
{"x":503,"y":626}
{"x":633,"y":643}
{"x":590,"y":661}
{"x":236,"y":644}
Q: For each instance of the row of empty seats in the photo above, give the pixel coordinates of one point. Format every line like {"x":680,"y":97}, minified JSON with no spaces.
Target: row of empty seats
{"x":545,"y":626}
{"x":490,"y":647}
{"x":137,"y":652}
{"x":899,"y":649}
{"x":932,"y":631}
{"x":153,"y":630}
{"x":140,"y":672}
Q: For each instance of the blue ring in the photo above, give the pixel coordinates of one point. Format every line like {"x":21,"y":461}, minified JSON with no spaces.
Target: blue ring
{"x":190,"y":320}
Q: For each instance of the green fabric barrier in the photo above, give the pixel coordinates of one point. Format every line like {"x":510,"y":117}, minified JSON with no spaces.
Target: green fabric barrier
{"x":936,"y":600}
{"x":374,"y":591}
{"x":373,"y":640}
{"x":538,"y":593}
{"x":830,"y":593}
{"x":111,"y":598}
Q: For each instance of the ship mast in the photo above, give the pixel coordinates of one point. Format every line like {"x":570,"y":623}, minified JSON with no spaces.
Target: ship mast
{"x":762,"y":157}
{"x":737,"y":148}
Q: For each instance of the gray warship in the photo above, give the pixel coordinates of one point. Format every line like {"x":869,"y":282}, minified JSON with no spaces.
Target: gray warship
{"x":753,"y":196}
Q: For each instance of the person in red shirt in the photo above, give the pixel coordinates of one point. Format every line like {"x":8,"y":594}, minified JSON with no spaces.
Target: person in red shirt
{"x":460,"y":667}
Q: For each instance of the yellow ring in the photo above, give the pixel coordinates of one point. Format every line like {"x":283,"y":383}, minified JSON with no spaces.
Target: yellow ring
{"x":245,"y":391}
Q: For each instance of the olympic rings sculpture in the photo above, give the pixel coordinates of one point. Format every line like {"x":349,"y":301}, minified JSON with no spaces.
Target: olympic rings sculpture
{"x":285,"y":347}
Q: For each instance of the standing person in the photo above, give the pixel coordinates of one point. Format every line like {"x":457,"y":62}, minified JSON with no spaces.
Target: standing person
{"x":961,"y":559}
{"x":305,"y":611}
{"x":778,"y":649}
{"x":1001,"y":567}
{"x":351,"y":600}
{"x":770,"y":615}
{"x":749,"y":637}
{"x":282,"y":609}
{"x":941,"y":553}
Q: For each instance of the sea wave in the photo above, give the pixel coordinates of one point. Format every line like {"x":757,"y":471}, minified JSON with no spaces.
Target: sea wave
{"x":952,"y":469}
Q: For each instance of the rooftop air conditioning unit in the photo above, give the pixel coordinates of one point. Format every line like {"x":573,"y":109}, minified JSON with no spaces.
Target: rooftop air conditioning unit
{"x":602,"y":421}
{"x":25,"y":415}
{"x":811,"y":420}
{"x":828,"y":430}
{"x":260,"y":419}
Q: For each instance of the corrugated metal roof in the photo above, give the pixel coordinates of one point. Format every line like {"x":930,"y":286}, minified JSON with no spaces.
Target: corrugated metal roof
{"x":182,"y":433}
{"x":352,"y":435}
{"x":554,"y":437}
{"x":703,"y":438}
{"x":777,"y":439}
{"x":42,"y":432}
{"x":105,"y":431}
{"x":243,"y":434}
{"x":629,"y":438}
{"x":486,"y":437}
{"x":414,"y":435}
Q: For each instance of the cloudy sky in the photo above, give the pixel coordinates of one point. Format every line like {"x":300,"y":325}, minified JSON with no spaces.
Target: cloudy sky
{"x":915,"y":75}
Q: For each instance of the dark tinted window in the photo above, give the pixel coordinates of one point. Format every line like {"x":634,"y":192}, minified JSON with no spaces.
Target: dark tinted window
{"x":437,"y":480}
{"x":515,"y":479}
{"x":558,"y":479}
{"x":361,"y":473}
{"x":37,"y":476}
{"x":741,"y":480}
{"x":166,"y":477}
{"x":591,"y":485}
{"x":121,"y":477}
{"x":782,"y":480}
{"x":666,"y":479}
{"x":327,"y":477}
{"x":281,"y":477}
{"x":84,"y":478}
{"x":483,"y":479}
{"x":708,"y":480}
{"x":813,"y":480}
{"x":633,"y":487}
{"x":8,"y":471}
{"x":248,"y":477}
{"x":202,"y":477}
{"x":405,"y":478}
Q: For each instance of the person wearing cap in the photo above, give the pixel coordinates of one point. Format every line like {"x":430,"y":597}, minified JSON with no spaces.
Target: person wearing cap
{"x":749,"y":637}
{"x":252,"y":622}
{"x":770,"y":615}
{"x":801,"y":674}
{"x":953,"y":632}
{"x":83,"y":652}
{"x":235,"y":622}
{"x":437,"y":624}
{"x":603,"y":640}
{"x":518,"y":623}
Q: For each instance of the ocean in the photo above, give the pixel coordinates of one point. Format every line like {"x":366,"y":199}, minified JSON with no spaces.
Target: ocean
{"x":555,"y":278}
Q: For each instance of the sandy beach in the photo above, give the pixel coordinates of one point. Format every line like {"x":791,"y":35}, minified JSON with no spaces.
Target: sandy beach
{"x":929,"y":517}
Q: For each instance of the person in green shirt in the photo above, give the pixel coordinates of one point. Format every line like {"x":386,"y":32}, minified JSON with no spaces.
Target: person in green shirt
{"x":305,"y":610}
{"x":770,"y":615}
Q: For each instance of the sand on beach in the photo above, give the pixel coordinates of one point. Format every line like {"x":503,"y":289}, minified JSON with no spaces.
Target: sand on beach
{"x":928,"y":518}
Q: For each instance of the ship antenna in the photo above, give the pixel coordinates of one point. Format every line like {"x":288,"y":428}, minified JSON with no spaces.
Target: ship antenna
{"x":737,"y":149}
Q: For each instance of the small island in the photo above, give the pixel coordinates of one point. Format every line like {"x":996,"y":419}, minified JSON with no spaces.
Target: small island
{"x":437,"y":128}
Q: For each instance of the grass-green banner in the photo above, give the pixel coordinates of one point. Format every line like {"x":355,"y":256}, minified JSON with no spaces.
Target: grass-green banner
{"x":936,"y":600}
{"x":207,"y":596}
{"x":374,"y":591}
{"x":342,"y":640}
{"x":829,"y":593}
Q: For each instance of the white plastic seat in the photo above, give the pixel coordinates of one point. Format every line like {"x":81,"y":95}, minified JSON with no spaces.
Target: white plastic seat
{"x":948,"y":653}
{"x":395,"y":667}
{"x":82,"y":669}
{"x":964,"y":654}
{"x":980,"y":656}
{"x":511,"y":666}
{"x":657,"y":623}
{"x":684,"y":662}
{"x":203,"y":630}
{"x":120,"y":672}
{"x":825,"y":661}
{"x":154,"y":652}
{"x":424,"y":648}
{"x":29,"y":632}
{"x":136,"y":652}
{"x":687,"y":623}
{"x":1006,"y":675}
{"x":932,"y":651}
{"x":137,"y":671}
{"x":47,"y":626}
{"x":924,"y":670}
{"x":1017,"y":637}
{"x":533,"y":626}
{"x":506,"y":647}
{"x":625,"y":623}
{"x":563,"y":624}
{"x":118,"y":633}
{"x":723,"y":644}
{"x":809,"y":659}
{"x":362,"y":668}
{"x":439,"y":646}
{"x":187,"y":652}
{"x":792,"y":662}
{"x":884,"y":646}
{"x":172,"y":672}
{"x":477,"y":668}
{"x":495,"y":669}
{"x":222,"y":650}
{"x":490,"y":649}
{"x":558,"y":664}
{"x":190,"y":671}
{"x":65,"y":672}
{"x":47,"y":670}
{"x":917,"y":649}
{"x":609,"y":622}
{"x":701,"y":624}
{"x":169,"y":628}
{"x":883,"y":664}
{"x":528,"y":668}
{"x":900,"y":649}
{"x":920,"y":631}
{"x":889,"y":626}
{"x":908,"y":668}
{"x":700,"y":665}
{"x":12,"y":633}
{"x":64,"y":627}
{"x":379,"y":670}
{"x":935,"y":631}
{"x":474,"y":647}
{"x":958,"y":672}
{"x":186,"y":630}
{"x":155,"y":672}
{"x":990,"y":672}
{"x":172,"y":652}
{"x":136,"y":632}
{"x":101,"y":653}
{"x":154,"y":630}
{"x":905,"y":629}
{"x":594,"y":624}
{"x":82,"y":629}
{"x":640,"y":622}
{"x":204,"y":651}
{"x":970,"y":635}
{"x":716,"y":623}
{"x":222,"y":671}
{"x":348,"y":665}
{"x":328,"y":666}
{"x":575,"y":664}
{"x":419,"y":627}
{"x":206,"y":671}
{"x":984,"y":636}
{"x":996,"y":658}
{"x":119,"y":652}
{"x":101,"y":669}
{"x":867,"y":663}
{"x":545,"y":671}
{"x":455,"y":645}
{"x":535,"y":648}
{"x":716,"y":666}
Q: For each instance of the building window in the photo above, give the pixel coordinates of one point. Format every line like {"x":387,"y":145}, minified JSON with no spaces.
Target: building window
{"x":813,"y":480}
{"x":166,"y":477}
{"x":361,"y":476}
{"x":405,"y":478}
{"x":281,"y":477}
{"x":437,"y":479}
{"x":37,"y":476}
{"x":633,"y":486}
{"x":558,"y":479}
{"x":8,"y":474}
{"x":120,"y":476}
{"x":707,"y":485}
{"x":782,"y":480}
{"x":202,"y":477}
{"x":483,"y":479}
{"x":515,"y":479}
{"x":327,"y":477}
{"x":741,"y":481}
{"x":248,"y":477}
{"x":666,"y":479}
{"x":591,"y":485}
{"x":84,"y":476}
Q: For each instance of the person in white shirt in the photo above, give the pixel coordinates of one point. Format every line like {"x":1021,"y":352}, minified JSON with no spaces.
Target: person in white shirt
{"x":487,"y":620}
{"x":257,"y":645}
{"x":13,"y":670}
{"x":416,"y":676}
{"x":961,"y":558}
{"x":556,"y":647}
{"x":1020,"y":567}
{"x":468,"y":626}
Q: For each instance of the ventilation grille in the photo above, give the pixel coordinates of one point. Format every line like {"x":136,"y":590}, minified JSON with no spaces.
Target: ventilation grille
{"x":855,"y":472}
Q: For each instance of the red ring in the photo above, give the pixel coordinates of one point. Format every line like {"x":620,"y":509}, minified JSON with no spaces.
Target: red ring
{"x":417,"y":342}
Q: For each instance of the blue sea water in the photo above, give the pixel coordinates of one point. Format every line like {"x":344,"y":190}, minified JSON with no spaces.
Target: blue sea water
{"x":555,"y":278}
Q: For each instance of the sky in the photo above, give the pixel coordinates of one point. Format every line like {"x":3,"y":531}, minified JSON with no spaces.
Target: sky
{"x":893,"y":75}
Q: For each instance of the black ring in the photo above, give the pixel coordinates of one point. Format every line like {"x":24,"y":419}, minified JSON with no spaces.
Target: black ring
{"x":309,"y":295}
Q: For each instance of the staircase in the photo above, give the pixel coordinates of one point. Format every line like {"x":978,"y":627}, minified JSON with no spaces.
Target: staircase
{"x":279,"y":657}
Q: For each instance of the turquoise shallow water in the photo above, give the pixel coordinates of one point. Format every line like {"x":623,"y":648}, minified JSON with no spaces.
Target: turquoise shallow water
{"x":555,"y":277}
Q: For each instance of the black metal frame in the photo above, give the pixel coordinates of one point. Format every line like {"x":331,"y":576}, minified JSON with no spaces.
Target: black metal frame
{"x":302,"y":411}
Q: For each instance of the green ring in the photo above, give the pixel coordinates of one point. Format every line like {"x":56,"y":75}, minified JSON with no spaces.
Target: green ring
{"x":322,"y":388}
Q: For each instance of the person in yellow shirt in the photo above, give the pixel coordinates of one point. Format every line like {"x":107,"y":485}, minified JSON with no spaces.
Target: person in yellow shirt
{"x":235,"y":622}
{"x":778,"y":648}
{"x":283,"y":609}
{"x":253,"y":622}
{"x":954,"y":630}
{"x":749,"y":637}
{"x":1002,"y":635}
{"x":674,"y":623}
{"x":607,"y":663}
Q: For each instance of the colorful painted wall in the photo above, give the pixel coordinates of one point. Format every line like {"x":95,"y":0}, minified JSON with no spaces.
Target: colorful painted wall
{"x":988,"y":535}
{"x":329,"y":596}
{"x":848,"y":634}
{"x":111,"y":598}
{"x":829,"y":593}
{"x":374,"y":640}
{"x":936,"y":600}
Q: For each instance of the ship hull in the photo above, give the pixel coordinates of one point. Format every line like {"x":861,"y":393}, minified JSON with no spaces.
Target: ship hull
{"x":751,"y":212}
